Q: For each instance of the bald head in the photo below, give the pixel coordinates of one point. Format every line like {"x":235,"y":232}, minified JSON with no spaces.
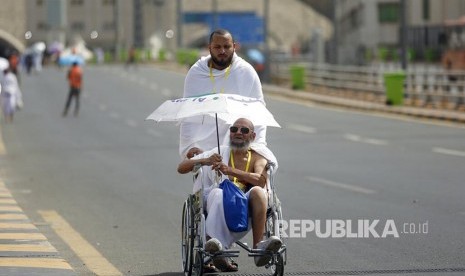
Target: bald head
{"x":244,"y":122}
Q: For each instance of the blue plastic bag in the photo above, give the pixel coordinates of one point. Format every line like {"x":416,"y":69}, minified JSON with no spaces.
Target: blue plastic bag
{"x":236,"y":207}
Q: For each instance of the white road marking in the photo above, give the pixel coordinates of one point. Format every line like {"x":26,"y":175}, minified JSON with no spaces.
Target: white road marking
{"x":357,"y":138}
{"x":449,"y":152}
{"x":352,"y":137}
{"x":375,"y":141}
{"x":301,"y":128}
{"x":345,"y":186}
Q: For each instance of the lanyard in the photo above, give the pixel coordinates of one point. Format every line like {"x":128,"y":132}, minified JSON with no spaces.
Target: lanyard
{"x":212,"y":78}
{"x":231,"y":158}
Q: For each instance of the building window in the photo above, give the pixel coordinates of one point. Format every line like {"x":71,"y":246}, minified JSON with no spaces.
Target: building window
{"x":77,"y":26}
{"x":426,"y":8}
{"x":388,"y":12}
{"x":108,"y":2}
{"x":77,"y":2}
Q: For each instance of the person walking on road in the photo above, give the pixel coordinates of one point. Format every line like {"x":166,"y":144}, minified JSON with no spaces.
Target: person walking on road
{"x":75,"y":84}
{"x":10,"y":95}
{"x":131,"y":61}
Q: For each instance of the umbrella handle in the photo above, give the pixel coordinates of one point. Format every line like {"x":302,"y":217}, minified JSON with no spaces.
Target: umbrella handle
{"x":217,"y":133}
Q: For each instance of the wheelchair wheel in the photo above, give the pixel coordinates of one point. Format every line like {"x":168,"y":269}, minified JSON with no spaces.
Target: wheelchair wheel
{"x":278,"y":267}
{"x":197,"y":267}
{"x":187,"y":237}
{"x":273,"y":227}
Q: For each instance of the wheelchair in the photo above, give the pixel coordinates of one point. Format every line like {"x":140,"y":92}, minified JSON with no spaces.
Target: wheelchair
{"x":193,"y":233}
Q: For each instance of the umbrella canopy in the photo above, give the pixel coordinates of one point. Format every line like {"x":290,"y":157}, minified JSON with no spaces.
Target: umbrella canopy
{"x":39,"y":47}
{"x":70,"y":59}
{"x":55,"y":47}
{"x":203,"y":109}
{"x":4,"y":64}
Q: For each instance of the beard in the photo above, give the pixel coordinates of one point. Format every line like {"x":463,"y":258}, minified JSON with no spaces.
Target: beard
{"x":222,"y":63}
{"x":241,"y":146}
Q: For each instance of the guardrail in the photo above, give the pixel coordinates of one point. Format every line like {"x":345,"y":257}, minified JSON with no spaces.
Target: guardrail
{"x":425,"y":85}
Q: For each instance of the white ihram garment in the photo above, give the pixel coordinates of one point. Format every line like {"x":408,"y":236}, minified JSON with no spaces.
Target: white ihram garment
{"x":10,"y":93}
{"x":215,"y":224}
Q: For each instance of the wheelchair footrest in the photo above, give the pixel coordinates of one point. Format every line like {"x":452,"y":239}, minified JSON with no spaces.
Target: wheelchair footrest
{"x":226,"y":253}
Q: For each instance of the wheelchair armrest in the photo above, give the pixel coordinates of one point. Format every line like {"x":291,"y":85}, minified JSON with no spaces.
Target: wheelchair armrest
{"x":270,"y":166}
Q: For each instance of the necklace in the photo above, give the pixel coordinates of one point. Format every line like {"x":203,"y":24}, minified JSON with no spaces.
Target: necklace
{"x":231,"y":159}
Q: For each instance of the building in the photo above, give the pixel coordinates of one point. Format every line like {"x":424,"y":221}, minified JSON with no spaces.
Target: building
{"x":115,"y":25}
{"x":369,"y":29}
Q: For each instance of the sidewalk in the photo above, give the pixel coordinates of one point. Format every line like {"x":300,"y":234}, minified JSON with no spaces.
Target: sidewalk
{"x":419,"y":112}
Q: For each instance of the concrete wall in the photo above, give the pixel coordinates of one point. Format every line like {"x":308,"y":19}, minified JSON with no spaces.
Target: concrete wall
{"x":12,"y":24}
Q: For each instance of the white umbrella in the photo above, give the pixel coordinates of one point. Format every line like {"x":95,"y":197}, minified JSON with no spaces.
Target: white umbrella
{"x":39,"y":47}
{"x":209,"y":108}
{"x":4,"y":64}
{"x":228,"y":107}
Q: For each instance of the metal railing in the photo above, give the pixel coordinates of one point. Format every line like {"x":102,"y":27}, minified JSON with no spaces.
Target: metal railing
{"x":425,"y":85}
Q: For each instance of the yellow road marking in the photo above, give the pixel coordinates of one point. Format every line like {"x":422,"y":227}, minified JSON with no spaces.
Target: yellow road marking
{"x":10,"y":209}
{"x":17,"y":226}
{"x":85,"y":251}
{"x":2,"y":147}
{"x":5,"y":194}
{"x":13,"y":217}
{"x":7,"y":201}
{"x":35,"y":262}
{"x":26,"y":248}
{"x":22,"y":236}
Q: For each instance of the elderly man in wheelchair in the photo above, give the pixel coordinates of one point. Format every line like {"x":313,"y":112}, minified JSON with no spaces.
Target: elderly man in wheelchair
{"x":250,"y":172}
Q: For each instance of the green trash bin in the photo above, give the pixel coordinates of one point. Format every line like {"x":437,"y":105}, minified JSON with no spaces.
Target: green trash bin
{"x":394,"y":83}
{"x":297,"y":76}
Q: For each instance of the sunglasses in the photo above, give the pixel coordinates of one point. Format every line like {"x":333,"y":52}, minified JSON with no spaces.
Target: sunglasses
{"x":244,"y":130}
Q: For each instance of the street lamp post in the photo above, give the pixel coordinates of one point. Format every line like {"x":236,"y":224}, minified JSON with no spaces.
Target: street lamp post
{"x":215,"y":14}
{"x":403,"y":34}
{"x":266,"y":22}
{"x":180,"y":24}
{"x":118,"y":28}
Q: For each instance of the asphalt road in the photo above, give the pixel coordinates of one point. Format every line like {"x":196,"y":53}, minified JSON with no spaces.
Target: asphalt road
{"x":112,"y":177}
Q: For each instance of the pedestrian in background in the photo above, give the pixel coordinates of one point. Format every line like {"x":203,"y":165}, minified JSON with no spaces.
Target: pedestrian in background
{"x":131,"y":61}
{"x":10,"y":95}
{"x":75,"y":84}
